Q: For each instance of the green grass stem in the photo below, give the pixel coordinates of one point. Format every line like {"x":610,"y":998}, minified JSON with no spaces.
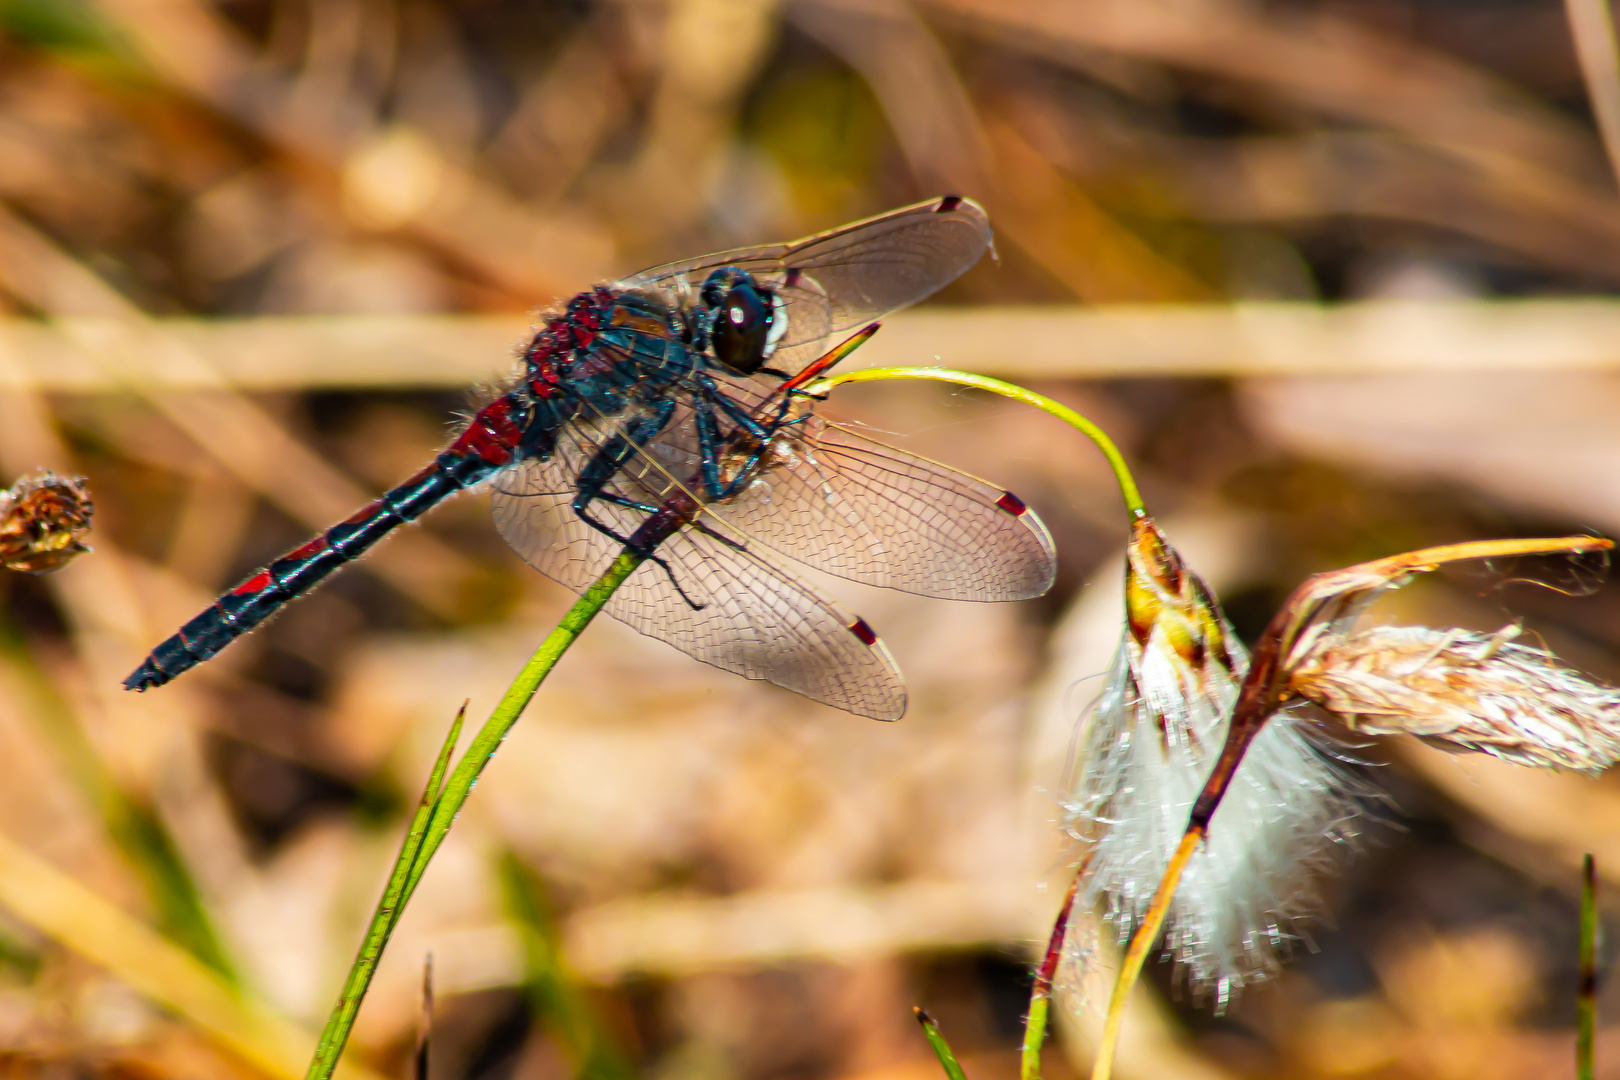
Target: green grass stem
{"x":443,"y":799}
{"x":942,"y":1049}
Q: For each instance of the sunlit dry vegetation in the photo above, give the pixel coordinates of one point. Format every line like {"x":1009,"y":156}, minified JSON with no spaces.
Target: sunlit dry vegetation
{"x":1337,"y":276}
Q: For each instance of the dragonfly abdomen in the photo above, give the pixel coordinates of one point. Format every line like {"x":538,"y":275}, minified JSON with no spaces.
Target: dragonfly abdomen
{"x":483,"y":448}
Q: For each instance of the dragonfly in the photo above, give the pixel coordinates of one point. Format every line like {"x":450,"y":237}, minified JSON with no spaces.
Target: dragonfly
{"x":664,"y":414}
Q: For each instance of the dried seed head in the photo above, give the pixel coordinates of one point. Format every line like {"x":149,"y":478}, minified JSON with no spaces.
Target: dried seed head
{"x":1464,"y":691}
{"x":1317,"y":619}
{"x":1143,"y":754}
{"x":42,"y":522}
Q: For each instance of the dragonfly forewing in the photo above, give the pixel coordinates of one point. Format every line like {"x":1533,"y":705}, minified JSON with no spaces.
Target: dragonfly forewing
{"x":834,"y":499}
{"x":836,"y":280}
{"x":830,"y":497}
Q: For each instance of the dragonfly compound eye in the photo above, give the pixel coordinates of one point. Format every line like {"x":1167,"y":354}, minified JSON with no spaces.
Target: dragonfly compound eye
{"x":742,"y":329}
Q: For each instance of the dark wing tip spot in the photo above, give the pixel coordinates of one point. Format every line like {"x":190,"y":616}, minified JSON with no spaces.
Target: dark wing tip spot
{"x":1012,"y":504}
{"x":794,"y":276}
{"x":861,"y":630}
{"x":948,"y":203}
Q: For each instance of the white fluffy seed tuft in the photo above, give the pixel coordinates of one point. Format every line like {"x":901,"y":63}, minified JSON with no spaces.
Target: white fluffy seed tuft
{"x":1144,"y":751}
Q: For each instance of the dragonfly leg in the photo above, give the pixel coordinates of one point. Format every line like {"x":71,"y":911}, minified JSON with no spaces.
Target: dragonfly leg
{"x":584,"y":515}
{"x":738,"y":415}
{"x":600,"y":470}
{"x":629,"y":504}
{"x":609,"y":459}
{"x":650,"y":556}
{"x":709,"y":439}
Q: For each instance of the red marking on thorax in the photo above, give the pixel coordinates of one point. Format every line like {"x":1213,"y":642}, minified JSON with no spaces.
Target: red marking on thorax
{"x":491,"y":435}
{"x":541,"y":358}
{"x":1012,"y":504}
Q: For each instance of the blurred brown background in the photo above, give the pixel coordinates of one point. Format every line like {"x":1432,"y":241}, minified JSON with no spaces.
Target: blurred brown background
{"x":1338,"y":276}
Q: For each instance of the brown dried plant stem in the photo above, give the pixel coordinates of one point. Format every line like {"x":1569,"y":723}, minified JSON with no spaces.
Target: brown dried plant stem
{"x":1040,"y":997}
{"x":1264,"y":691}
{"x":1586,"y":995}
{"x":1591,"y":24}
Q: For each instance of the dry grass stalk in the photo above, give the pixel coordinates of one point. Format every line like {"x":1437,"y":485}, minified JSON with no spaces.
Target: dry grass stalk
{"x":1465,"y":691}
{"x":1592,"y":26}
{"x":1319,"y":615}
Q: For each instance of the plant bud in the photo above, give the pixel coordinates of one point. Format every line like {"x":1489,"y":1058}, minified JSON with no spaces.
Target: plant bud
{"x":42,"y":522}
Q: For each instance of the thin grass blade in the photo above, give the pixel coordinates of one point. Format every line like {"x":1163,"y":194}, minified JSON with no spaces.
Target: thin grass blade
{"x":383,"y":920}
{"x":555,"y":996}
{"x":942,"y":1049}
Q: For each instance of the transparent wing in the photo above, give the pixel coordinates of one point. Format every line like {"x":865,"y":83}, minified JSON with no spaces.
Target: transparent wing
{"x":750,"y":618}
{"x":836,"y":280}
{"x":841,"y":502}
{"x":829,"y":496}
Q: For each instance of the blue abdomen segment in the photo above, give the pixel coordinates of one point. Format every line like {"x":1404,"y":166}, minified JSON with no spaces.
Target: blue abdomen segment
{"x":301,"y":569}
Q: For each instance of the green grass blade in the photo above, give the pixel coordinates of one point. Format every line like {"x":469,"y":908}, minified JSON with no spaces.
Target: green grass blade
{"x":443,"y":800}
{"x":130,"y":821}
{"x":942,"y":1049}
{"x":555,"y":996}
{"x":383,"y":920}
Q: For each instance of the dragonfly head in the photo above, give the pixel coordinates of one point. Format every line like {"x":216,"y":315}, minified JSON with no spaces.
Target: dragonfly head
{"x":744,"y":319}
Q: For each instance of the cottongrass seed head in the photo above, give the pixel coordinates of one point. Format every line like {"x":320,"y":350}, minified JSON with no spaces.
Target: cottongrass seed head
{"x":1143,"y":752}
{"x":1463,"y":691}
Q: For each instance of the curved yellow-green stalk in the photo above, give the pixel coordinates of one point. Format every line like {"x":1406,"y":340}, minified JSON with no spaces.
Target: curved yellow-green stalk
{"x":1116,"y":460}
{"x":1035,"y":1024}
